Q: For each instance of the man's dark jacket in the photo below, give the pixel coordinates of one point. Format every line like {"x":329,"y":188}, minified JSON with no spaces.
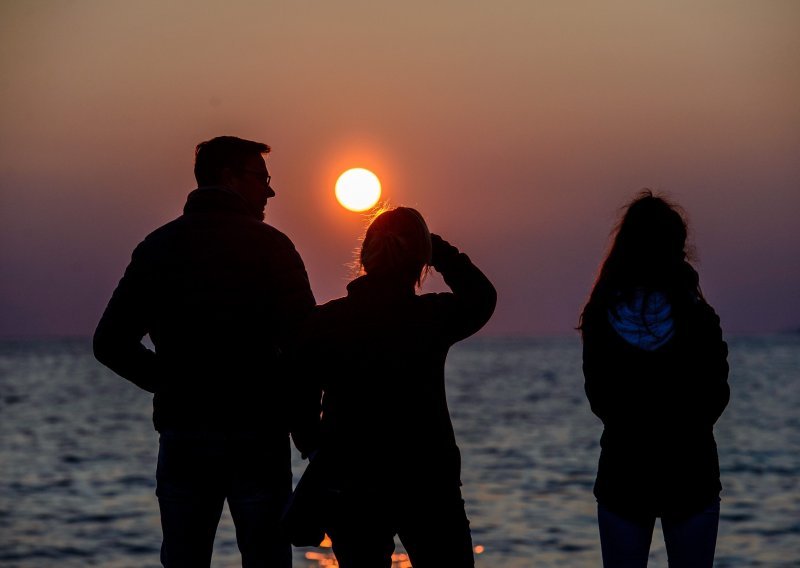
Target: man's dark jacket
{"x":218,"y":291}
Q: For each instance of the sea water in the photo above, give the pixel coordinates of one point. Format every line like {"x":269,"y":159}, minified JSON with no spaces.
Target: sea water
{"x":78,"y":456}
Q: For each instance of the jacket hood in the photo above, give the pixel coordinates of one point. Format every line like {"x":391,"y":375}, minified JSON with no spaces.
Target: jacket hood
{"x":644,"y":320}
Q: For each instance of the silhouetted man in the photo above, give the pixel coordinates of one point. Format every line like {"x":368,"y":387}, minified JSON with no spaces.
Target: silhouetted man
{"x":218,"y":291}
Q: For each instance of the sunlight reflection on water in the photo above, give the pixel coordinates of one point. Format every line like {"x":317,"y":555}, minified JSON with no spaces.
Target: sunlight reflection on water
{"x":326,"y":557}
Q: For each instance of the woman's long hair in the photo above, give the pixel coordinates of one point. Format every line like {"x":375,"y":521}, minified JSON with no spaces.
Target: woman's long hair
{"x":649,"y":252}
{"x":397,"y":244}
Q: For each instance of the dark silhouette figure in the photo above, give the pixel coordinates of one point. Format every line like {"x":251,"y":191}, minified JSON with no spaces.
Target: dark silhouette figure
{"x":387,"y":458}
{"x":218,"y":291}
{"x":656,"y":374}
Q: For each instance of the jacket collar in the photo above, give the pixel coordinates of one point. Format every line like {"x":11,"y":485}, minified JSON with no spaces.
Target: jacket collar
{"x":218,"y":198}
{"x":378,"y":287}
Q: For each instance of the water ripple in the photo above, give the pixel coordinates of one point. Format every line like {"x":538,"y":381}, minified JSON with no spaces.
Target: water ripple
{"x":77,"y":459}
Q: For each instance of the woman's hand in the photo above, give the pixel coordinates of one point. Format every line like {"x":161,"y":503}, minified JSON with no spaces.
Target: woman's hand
{"x":441,"y":251}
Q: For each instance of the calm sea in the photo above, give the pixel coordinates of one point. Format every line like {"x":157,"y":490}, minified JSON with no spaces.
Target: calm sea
{"x":77,"y":458}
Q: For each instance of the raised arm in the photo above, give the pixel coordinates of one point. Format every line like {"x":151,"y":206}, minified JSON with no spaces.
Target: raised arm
{"x":474,"y":297}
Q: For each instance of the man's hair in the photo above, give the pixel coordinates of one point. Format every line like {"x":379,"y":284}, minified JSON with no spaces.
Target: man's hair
{"x":223,"y":152}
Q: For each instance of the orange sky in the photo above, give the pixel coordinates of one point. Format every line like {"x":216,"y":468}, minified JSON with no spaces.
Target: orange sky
{"x":517,"y":128}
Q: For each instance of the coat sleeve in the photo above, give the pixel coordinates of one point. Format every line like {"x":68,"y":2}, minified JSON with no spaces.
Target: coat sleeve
{"x":618,"y":378}
{"x":710,"y":356}
{"x":118,"y":338}
{"x":294,"y":305}
{"x":595,"y":370}
{"x":473,"y":297}
{"x":303,"y":364}
{"x":291,"y":290}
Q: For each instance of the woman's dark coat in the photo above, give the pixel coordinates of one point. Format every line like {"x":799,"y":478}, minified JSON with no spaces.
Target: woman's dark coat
{"x":658,"y":454}
{"x":378,"y":356}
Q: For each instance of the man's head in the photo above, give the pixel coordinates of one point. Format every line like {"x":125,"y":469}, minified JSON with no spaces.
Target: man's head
{"x":235,"y":164}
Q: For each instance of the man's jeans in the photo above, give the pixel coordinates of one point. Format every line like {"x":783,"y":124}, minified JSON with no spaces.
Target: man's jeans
{"x":198,"y":472}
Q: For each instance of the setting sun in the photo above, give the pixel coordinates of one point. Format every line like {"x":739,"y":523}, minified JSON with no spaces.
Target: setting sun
{"x":358,"y":189}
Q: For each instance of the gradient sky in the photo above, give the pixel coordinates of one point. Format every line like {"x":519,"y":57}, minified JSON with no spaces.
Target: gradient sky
{"x":517,"y":128}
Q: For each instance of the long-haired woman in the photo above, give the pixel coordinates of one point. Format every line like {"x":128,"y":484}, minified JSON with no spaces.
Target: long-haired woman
{"x":655,"y":368}
{"x":389,"y":462}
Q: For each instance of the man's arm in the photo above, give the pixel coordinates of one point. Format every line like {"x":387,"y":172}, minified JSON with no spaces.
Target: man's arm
{"x":305,"y":403}
{"x":118,"y":337}
{"x":293,"y":305}
{"x":291,"y":292}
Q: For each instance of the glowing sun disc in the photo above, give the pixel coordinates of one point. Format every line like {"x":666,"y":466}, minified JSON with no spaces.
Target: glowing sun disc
{"x":358,"y":189}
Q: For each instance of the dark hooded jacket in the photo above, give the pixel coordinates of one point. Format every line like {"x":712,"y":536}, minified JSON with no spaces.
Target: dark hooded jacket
{"x":658,"y":381}
{"x":218,"y":292}
{"x":378,"y":355}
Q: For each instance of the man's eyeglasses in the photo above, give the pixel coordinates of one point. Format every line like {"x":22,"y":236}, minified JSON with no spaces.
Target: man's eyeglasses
{"x":259,"y":174}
